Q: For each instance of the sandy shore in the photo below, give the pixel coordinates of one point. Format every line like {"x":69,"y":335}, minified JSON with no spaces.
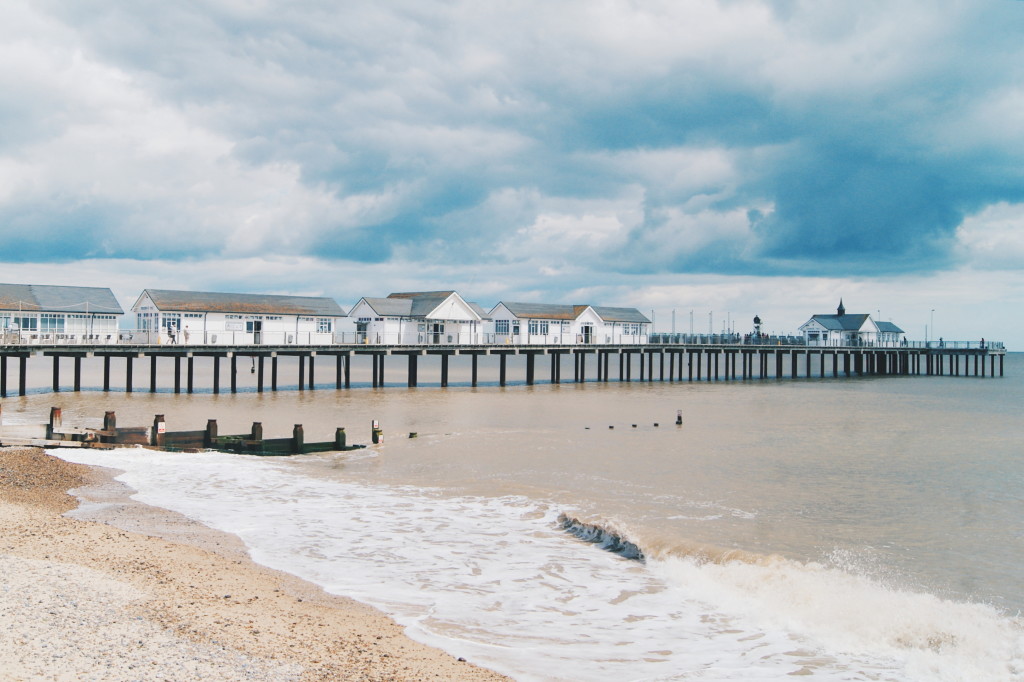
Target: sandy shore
{"x":84,"y":600}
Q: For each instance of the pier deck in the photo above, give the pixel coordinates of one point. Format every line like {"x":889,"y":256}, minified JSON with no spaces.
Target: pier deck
{"x":652,"y":362}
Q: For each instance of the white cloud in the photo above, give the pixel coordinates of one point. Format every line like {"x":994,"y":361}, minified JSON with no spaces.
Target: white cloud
{"x":993,"y":239}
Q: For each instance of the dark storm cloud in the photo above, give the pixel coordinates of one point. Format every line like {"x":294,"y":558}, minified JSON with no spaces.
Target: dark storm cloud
{"x":707,"y":137}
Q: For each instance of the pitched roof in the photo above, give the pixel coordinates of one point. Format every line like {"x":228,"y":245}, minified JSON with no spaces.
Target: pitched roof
{"x":847,"y":322}
{"x":889,"y":327}
{"x":46,"y":298}
{"x":212,"y":302}
{"x":620,"y":314}
{"x":547,"y":311}
{"x":423,"y":302}
{"x":390,"y":306}
{"x":484,"y":315}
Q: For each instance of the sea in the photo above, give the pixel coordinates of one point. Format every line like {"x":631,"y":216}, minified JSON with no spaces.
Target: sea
{"x":863,"y":528}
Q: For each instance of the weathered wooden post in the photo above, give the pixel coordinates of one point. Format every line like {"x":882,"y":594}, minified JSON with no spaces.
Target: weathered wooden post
{"x":210,"y":440}
{"x":339,"y":438}
{"x":110,"y":426}
{"x":23,"y":374}
{"x":159,"y":429}
{"x":298,"y":439}
{"x":256,"y":434}
{"x":55,"y":423}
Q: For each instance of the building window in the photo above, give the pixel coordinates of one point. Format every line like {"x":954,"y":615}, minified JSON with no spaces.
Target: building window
{"x":171,"y":321}
{"x":324,"y":325}
{"x":501,"y":326}
{"x":28,"y":324}
{"x":50,"y":322}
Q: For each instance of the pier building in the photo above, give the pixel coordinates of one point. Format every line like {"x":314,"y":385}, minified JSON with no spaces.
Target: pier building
{"x":550,"y":323}
{"x":45,"y":314}
{"x":168,"y":317}
{"x":850,"y":329}
{"x":424,"y":317}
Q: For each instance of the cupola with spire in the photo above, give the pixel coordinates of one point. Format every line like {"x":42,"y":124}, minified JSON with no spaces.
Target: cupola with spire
{"x":841,"y":310}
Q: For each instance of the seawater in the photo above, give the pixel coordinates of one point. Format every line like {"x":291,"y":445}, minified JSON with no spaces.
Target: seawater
{"x":849,"y":529}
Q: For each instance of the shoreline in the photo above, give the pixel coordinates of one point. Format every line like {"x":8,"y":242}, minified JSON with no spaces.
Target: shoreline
{"x":117,"y":590}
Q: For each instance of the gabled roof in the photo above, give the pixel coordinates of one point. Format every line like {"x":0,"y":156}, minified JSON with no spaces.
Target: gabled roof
{"x":484,"y":315}
{"x":620,"y":314}
{"x":848,"y":322}
{"x":888,"y":327}
{"x":393,"y":307}
{"x":212,"y":302}
{"x":546,"y":311}
{"x":56,"y":299}
{"x":423,"y":302}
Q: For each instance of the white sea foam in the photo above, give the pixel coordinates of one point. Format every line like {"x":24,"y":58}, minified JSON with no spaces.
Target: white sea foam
{"x":498,"y":581}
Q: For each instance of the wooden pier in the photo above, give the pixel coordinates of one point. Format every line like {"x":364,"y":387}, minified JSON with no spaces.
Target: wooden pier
{"x":649,"y":362}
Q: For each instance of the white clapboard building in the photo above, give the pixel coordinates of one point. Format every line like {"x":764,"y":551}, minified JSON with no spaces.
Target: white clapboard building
{"x":850,"y":329}
{"x":208,"y":318}
{"x":424,"y":317}
{"x":45,"y":314}
{"x":551,"y":323}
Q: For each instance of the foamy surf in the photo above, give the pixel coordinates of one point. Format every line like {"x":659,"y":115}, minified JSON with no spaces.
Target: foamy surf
{"x":498,"y":581}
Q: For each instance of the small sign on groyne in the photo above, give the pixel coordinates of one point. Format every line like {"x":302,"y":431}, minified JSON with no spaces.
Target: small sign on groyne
{"x":55,"y":434}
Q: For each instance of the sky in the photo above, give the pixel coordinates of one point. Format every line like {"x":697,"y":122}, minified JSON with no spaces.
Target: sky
{"x":702,"y":160}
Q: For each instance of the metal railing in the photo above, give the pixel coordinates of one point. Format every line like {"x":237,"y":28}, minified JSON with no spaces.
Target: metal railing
{"x":142,"y":337}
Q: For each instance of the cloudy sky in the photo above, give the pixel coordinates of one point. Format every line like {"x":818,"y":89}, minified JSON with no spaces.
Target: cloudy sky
{"x":719,"y":159}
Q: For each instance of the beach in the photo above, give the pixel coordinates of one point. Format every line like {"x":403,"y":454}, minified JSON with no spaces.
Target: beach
{"x":88,"y":600}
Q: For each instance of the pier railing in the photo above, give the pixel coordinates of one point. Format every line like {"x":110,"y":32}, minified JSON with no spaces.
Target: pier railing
{"x":143,"y":337}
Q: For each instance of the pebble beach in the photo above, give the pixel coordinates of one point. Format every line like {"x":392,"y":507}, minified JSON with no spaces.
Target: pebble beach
{"x":170,"y":599}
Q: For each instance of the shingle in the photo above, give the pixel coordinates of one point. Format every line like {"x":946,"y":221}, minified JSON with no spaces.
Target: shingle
{"x":401,"y":307}
{"x":889,"y":327}
{"x":213,"y":302}
{"x":620,"y":314}
{"x":544,"y":311}
{"x":423,"y":302}
{"x":58,"y":299}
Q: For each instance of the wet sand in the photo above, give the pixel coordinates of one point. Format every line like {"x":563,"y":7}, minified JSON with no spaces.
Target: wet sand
{"x":169,"y":599}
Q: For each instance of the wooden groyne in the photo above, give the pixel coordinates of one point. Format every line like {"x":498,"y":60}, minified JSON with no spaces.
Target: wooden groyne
{"x":55,"y":434}
{"x":647,"y":362}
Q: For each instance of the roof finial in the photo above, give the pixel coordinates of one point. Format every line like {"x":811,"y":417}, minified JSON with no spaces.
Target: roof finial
{"x":841,"y":310}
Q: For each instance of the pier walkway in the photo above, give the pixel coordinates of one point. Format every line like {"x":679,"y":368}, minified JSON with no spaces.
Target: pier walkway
{"x":646,"y":362}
